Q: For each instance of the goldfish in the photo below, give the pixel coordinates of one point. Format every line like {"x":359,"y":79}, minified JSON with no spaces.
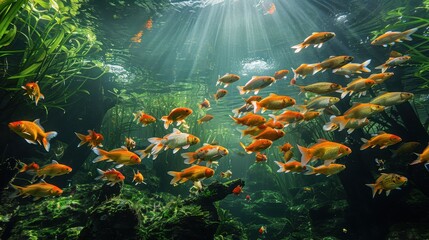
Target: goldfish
{"x":252,"y":130}
{"x":332,"y":62}
{"x":308,"y":116}
{"x":143,"y":118}
{"x":121,"y":156}
{"x":37,"y":190}
{"x":137,"y":38}
{"x":318,"y":103}
{"x":329,"y":170}
{"x":392,"y":98}
{"x":227,"y":174}
{"x":30,"y":168}
{"x":382,"y":139}
{"x":325,"y":150}
{"x":379,"y":78}
{"x":393,"y":62}
{"x":220,"y":94}
{"x":204,"y":104}
{"x":387,"y":182}
{"x":273,"y":102}
{"x":262,"y":230}
{"x":272,"y":124}
{"x":33,"y":91}
{"x":288,"y":117}
{"x":270,"y":134}
{"x":113,"y":176}
{"x":303,"y":70}
{"x":243,"y":109}
{"x":256,"y":84}
{"x":422,"y":157}
{"x":253,"y":98}
{"x":320,"y":87}
{"x":205,"y":118}
{"x":176,"y":140}
{"x":362,"y":110}
{"x":405,"y":148}
{"x":205,"y":153}
{"x":248,"y":198}
{"x":176,"y":115}
{"x":287,"y":155}
{"x":389,"y":38}
{"x":290,"y":166}
{"x":271,"y":10}
{"x":138,"y":177}
{"x":149,"y":24}
{"x":285,"y":147}
{"x":93,"y":139}
{"x":340,"y":122}
{"x":193,"y":173}
{"x":146,"y":152}
{"x":280,"y":74}
{"x":237,"y":190}
{"x":260,"y":157}
{"x":130,"y":143}
{"x":359,"y":85}
{"x":257,"y":145}
{"x":227,"y":79}
{"x":316,"y":38}
{"x":353,"y":68}
{"x":250,"y":119}
{"x":53,"y":169}
{"x":33,"y":132}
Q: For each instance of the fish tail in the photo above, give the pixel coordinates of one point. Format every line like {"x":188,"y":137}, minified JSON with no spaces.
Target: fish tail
{"x":23,"y":168}
{"x":344,"y":93}
{"x":100,"y":174}
{"x":199,"y":121}
{"x":82,"y":139}
{"x":317,"y":68}
{"x":45,"y":140}
{"x":299,"y":47}
{"x":406,"y":35}
{"x":236,"y":120}
{"x":244,"y":147}
{"x":189,"y":157}
{"x":302,"y":108}
{"x":101,"y":155}
{"x":241,"y":132}
{"x":136,"y":116}
{"x":166,"y":121}
{"x":18,"y":191}
{"x":176,"y":176}
{"x":383,"y":67}
{"x":273,"y":117}
{"x":281,"y":166}
{"x":366,"y":144}
{"x":256,"y":106}
{"x":141,"y":153}
{"x":418,"y":160}
{"x":309,"y":170}
{"x":241,"y":90}
{"x":236,"y":112}
{"x":373,"y":188}
{"x":364,"y":65}
{"x":329,"y":127}
{"x":307,"y":155}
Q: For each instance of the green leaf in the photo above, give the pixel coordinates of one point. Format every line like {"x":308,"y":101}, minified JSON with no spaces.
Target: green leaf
{"x":54,"y":5}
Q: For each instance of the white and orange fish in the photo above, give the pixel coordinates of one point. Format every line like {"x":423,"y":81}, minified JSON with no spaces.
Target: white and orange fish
{"x":144,"y":118}
{"x":113,"y":176}
{"x":389,"y":38}
{"x":256,"y":84}
{"x":33,"y":132}
{"x":205,"y":153}
{"x":176,"y":115}
{"x":33,"y":91}
{"x":175,"y":140}
{"x":359,"y":85}
{"x":393,"y":62}
{"x":332,"y":62}
{"x":353,"y":68}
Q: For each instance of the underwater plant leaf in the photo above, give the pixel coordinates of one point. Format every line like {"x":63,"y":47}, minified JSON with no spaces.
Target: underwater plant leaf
{"x":54,"y":5}
{"x":8,"y":37}
{"x":10,"y":14}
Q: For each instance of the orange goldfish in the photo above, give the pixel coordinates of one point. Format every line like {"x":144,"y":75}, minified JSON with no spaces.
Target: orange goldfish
{"x":33,"y":132}
{"x":271,"y":10}
{"x":270,"y":134}
{"x":137,"y":38}
{"x":257,"y":145}
{"x":237,"y":190}
{"x":93,"y":139}
{"x":271,"y":123}
{"x":383,"y":140}
{"x":113,"y":176}
{"x":175,"y":140}
{"x":146,"y":152}
{"x":130,"y":143}
{"x":33,"y":91}
{"x":332,"y":62}
{"x":290,"y":166}
{"x":143,"y":118}
{"x":392,"y":98}
{"x":138,"y":177}
{"x":379,"y":78}
{"x":287,"y":155}
{"x":325,"y":150}
{"x":205,"y":118}
{"x":121,"y":156}
{"x":176,"y":115}
{"x":37,"y":190}
{"x":285,"y":147}
{"x":253,"y":98}
{"x":262,"y":230}
{"x":387,"y":182}
{"x":256,"y":84}
{"x":53,"y":169}
{"x":303,"y":70}
{"x":353,"y":68}
{"x":273,"y":102}
{"x":220,"y":94}
{"x":320,"y":87}
{"x":359,"y":85}
{"x":393,"y":62}
{"x":329,"y":170}
{"x":260,"y":157}
{"x":252,"y":130}
{"x":308,"y":116}
{"x":389,"y":38}
{"x":422,"y":157}
{"x":148,"y":24}
{"x":194,"y":173}
{"x":204,"y":104}
{"x":227,"y":79}
{"x":30,"y":168}
{"x":362,"y":110}
{"x":250,"y":119}
{"x":205,"y":153}
{"x":288,"y":117}
{"x":280,"y":74}
{"x":227,"y":174}
{"x":317,"y":39}
{"x":340,"y":122}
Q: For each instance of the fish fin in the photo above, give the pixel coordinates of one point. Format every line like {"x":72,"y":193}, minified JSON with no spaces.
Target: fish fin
{"x":82,"y":139}
{"x":176,"y":150}
{"x":299,"y":47}
{"x":329,"y":127}
{"x":101,"y":155}
{"x":407,"y":34}
{"x":387,"y":192}
{"x":344,"y":93}
{"x":186,"y":146}
{"x":273,"y":117}
{"x":307,"y":155}
{"x":317,"y":68}
{"x":119,"y":165}
{"x":189,"y":157}
{"x":37,"y":122}
{"x":256,"y":91}
{"x":141,"y":153}
{"x":364,"y":65}
{"x":280,"y":164}
{"x":327,"y":162}
{"x":30,"y":141}
{"x":309,"y":170}
{"x":100,"y":174}
{"x":350,"y":130}
{"x":241,"y":90}
{"x":418,"y":160}
{"x":235,"y":119}
{"x":374,"y":190}
{"x":166,"y":121}
{"x":49,"y":136}
{"x":365,"y":145}
{"x":18,"y":191}
{"x":176,"y":176}
{"x":256,"y":106}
